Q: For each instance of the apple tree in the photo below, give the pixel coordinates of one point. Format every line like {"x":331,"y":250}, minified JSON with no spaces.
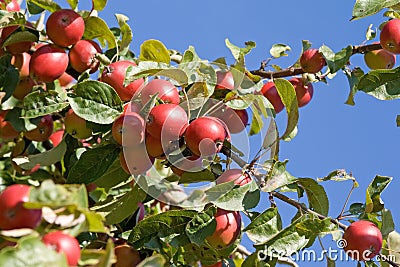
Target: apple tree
{"x":114,"y":157}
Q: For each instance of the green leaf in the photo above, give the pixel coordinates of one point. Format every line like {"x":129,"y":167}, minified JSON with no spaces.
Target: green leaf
{"x":288,"y":95}
{"x":373,"y":201}
{"x":256,"y":122}
{"x":31,"y":252}
{"x":398,"y":120}
{"x":125,"y":206}
{"x":153,"y":261}
{"x":113,"y":176}
{"x":271,"y":139}
{"x":93,"y":163}
{"x":126,"y":32}
{"x":317,"y":198}
{"x":264,"y":226}
{"x":45,"y":158}
{"x":364,"y":8}
{"x":95,"y":101}
{"x":381,"y":84}
{"x":38,"y":104}
{"x":10,"y":80}
{"x":353,"y":76}
{"x":202,"y":225}
{"x":279,"y":50}
{"x":371,"y":33}
{"x":160,"y":225}
{"x":154,"y":50}
{"x":108,"y":257}
{"x":34,"y":9}
{"x":21,"y":36}
{"x":11,"y":18}
{"x":336,"y":61}
{"x":73,"y":3}
{"x":278,"y":177}
{"x":95,"y":27}
{"x":46,"y":4}
{"x":238,"y":52}
{"x":204,"y":175}
{"x":387,"y":223}
{"x":99,"y":4}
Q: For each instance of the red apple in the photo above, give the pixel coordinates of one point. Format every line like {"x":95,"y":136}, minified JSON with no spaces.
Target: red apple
{"x":167,"y":122}
{"x":312,"y":61}
{"x":48,"y":63}
{"x":14,"y":48}
{"x":154,"y":147}
{"x":10,"y":5}
{"x":65,"y":27}
{"x":76,"y":126}
{"x":224,"y":80}
{"x":24,"y":87}
{"x":304,"y":91}
{"x":271,"y":93}
{"x":379,"y":59}
{"x":13,"y":215}
{"x":364,"y":240}
{"x":114,"y":75}
{"x":82,"y":56}
{"x":21,"y":62}
{"x":236,"y":175}
{"x":189,"y":164}
{"x":235,"y":119}
{"x":204,"y":136}
{"x":127,"y":256}
{"x":134,"y":160}
{"x":131,"y":107}
{"x":64,"y":243}
{"x":56,"y":137}
{"x":167,"y":92}
{"x":7,"y":131}
{"x":390,"y":36}
{"x":227,"y":229}
{"x":65,"y":79}
{"x":128,"y":129}
{"x":43,"y":130}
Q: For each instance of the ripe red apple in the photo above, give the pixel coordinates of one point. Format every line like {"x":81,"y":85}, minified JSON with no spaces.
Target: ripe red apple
{"x":312,"y":61}
{"x":10,"y":5}
{"x":7,"y":131}
{"x":154,"y":147}
{"x":64,"y":243}
{"x":13,"y":215}
{"x":236,"y":175}
{"x":127,"y":256}
{"x":21,"y":62}
{"x":218,"y":264}
{"x":48,"y":63}
{"x":82,"y":56}
{"x":43,"y":130}
{"x":114,"y":75}
{"x":132,"y":107}
{"x":24,"y":87}
{"x":224,"y":80}
{"x":364,"y":240}
{"x":18,"y":47}
{"x":56,"y":137}
{"x":271,"y":93}
{"x":167,"y":122}
{"x":167,"y":92}
{"x":235,"y":119}
{"x":65,"y":79}
{"x":129,"y":129}
{"x":134,"y":160}
{"x":76,"y":126}
{"x":304,"y":92}
{"x":189,"y":164}
{"x":65,"y":27}
{"x":205,"y":135}
{"x":379,"y":59}
{"x":227,"y":229}
{"x":390,"y":36}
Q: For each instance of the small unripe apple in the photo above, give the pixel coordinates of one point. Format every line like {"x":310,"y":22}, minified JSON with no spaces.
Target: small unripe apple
{"x":64,"y":243}
{"x":312,"y":61}
{"x":76,"y":126}
{"x":48,"y":63}
{"x":227,"y":230}
{"x":364,"y":240}
{"x":204,"y":136}
{"x":114,"y":75}
{"x":65,"y":27}
{"x":128,"y":129}
{"x":167,"y":92}
{"x":13,"y":215}
{"x":7,"y":131}
{"x":304,"y":91}
{"x":127,"y":256}
{"x":379,"y":59}
{"x":271,"y":93}
{"x":43,"y":130}
{"x":236,"y":175}
{"x":225,"y":80}
{"x":82,"y":56}
{"x":390,"y":36}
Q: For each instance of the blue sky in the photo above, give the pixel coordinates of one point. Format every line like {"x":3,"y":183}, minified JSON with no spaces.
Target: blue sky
{"x":362,"y":139}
